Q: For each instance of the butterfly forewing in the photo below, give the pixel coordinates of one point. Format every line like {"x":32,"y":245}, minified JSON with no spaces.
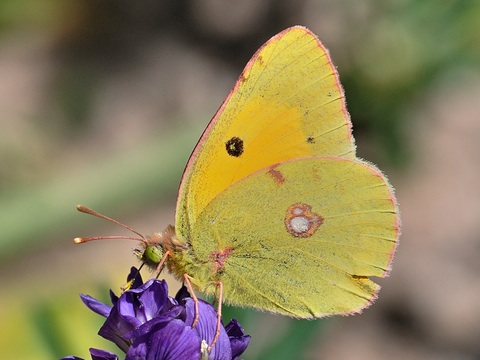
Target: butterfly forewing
{"x":288,"y":103}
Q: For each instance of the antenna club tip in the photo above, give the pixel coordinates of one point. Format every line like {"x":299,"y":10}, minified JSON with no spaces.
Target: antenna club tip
{"x":80,"y":207}
{"x":78,"y":240}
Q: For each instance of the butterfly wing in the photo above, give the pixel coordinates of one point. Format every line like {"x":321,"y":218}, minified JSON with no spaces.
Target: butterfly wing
{"x":287,"y":103}
{"x":299,"y":238}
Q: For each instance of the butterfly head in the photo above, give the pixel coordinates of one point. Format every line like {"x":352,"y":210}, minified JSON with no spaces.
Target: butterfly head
{"x":153,"y":248}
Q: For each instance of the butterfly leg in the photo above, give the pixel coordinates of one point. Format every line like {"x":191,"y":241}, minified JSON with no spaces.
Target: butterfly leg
{"x":219,"y":313}
{"x":194,"y":297}
{"x":160,"y":264}
{"x":219,"y":307}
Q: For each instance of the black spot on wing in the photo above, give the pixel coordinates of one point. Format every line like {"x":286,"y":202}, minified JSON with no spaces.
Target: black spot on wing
{"x":234,"y":146}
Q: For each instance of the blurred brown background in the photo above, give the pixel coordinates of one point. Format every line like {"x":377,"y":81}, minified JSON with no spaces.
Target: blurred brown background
{"x":102,"y":101}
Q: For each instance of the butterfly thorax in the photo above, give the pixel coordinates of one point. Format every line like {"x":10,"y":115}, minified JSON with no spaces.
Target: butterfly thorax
{"x":180,"y":260}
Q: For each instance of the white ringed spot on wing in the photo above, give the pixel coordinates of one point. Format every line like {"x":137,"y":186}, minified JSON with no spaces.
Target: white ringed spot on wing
{"x":301,"y":221}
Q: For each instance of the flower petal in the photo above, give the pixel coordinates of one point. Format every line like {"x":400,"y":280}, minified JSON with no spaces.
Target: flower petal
{"x":207,"y":328}
{"x":98,"y":354}
{"x":238,"y":340}
{"x":165,"y":339}
{"x":95,"y":305}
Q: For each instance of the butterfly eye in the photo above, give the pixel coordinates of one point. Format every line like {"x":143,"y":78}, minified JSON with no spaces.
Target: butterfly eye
{"x":152,"y":255}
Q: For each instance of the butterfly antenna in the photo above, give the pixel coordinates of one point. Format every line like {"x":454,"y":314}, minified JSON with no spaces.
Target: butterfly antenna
{"x":86,"y":210}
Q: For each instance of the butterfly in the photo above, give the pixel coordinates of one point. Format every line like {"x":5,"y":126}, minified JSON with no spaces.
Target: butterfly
{"x":274,"y":206}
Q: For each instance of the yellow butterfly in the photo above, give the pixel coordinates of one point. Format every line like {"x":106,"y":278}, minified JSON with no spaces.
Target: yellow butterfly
{"x":274,"y":204}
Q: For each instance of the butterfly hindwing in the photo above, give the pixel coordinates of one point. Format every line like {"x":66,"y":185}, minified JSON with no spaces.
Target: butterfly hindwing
{"x":301,"y":237}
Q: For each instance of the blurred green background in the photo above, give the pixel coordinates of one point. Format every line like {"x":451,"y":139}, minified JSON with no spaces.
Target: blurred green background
{"x":102,"y":101}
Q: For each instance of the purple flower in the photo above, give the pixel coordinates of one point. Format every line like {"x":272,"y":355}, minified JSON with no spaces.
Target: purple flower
{"x":96,"y":354}
{"x":145,"y":323}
